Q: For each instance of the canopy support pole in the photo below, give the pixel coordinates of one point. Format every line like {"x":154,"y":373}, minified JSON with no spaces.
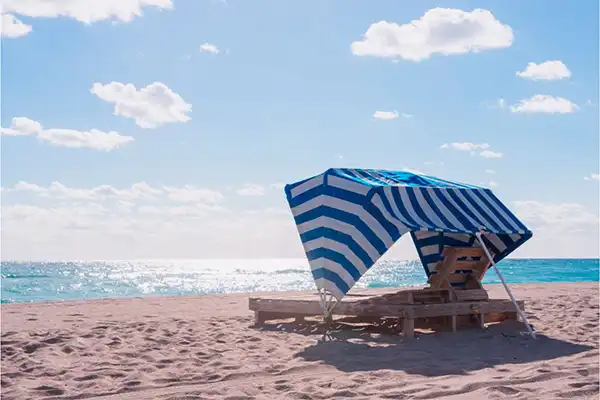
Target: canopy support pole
{"x":521,"y":314}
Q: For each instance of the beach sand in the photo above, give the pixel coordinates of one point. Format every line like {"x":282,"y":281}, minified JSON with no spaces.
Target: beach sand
{"x":204,"y":347}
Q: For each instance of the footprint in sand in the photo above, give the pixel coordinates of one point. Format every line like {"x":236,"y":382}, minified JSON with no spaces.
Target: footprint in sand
{"x":30,"y":348}
{"x":50,"y":390}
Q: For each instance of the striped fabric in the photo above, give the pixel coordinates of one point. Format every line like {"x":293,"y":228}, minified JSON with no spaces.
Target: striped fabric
{"x":348,"y":218}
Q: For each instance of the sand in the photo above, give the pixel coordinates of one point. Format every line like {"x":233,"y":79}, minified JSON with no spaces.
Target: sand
{"x":204,"y":347}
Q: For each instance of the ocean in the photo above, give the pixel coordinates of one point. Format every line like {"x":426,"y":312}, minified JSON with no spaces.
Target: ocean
{"x":80,"y":280}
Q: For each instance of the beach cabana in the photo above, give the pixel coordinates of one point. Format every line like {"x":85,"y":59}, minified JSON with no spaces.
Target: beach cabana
{"x":348,"y":218}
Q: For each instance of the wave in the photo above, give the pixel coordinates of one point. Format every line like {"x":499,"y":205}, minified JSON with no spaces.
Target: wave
{"x":18,"y":276}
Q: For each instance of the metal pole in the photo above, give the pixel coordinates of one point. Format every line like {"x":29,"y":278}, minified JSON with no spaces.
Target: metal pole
{"x":523,"y":318}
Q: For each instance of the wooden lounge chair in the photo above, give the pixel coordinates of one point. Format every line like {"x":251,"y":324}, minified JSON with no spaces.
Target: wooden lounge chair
{"x":454,"y":293}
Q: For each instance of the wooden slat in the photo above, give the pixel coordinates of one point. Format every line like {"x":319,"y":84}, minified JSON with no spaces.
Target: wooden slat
{"x":481,"y":269}
{"x":471,"y":295}
{"x":469,"y":252}
{"x":444,"y":269}
{"x":298,"y":308}
{"x":466,"y":264}
{"x":435,"y":310}
{"x":305,"y":307}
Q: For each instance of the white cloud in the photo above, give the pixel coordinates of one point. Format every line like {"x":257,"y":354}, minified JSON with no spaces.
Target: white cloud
{"x":592,"y":177}
{"x":86,"y":11}
{"x":465,"y":146}
{"x":12,"y":27}
{"x":490,"y":171}
{"x":93,"y":139}
{"x":251,"y":189}
{"x":491,"y":154}
{"x":472,"y":147}
{"x":209,"y":48}
{"x":106,"y":222}
{"x":278,"y":185}
{"x":143,"y":221}
{"x":151,"y":106}
{"x":439,"y":30}
{"x":541,"y":103}
{"x":385,"y":115}
{"x":492,"y":184}
{"x":559,"y":230}
{"x":21,"y":126}
{"x":191,"y":194}
{"x":56,"y":190}
{"x":548,"y":71}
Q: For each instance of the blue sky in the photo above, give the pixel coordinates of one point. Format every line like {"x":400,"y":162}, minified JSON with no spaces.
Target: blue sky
{"x":283,"y":96}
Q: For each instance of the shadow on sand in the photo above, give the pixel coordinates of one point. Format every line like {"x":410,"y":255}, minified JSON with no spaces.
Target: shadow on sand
{"x":369,"y":348}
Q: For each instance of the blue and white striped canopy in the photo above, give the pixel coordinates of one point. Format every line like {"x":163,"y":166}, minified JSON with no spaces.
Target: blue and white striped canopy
{"x":348,"y":218}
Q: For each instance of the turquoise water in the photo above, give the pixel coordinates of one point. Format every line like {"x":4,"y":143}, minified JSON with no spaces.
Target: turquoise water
{"x":44,"y":281}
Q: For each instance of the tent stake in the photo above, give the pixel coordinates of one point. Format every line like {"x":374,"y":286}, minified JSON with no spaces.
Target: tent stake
{"x":523,"y":318}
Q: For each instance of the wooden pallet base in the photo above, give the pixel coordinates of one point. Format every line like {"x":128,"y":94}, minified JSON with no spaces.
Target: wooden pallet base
{"x":373,"y":308}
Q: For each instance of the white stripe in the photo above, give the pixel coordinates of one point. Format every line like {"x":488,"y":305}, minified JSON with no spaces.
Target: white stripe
{"x":429,"y":250}
{"x":340,"y":204}
{"x":376,"y":201}
{"x":479,"y":216}
{"x":497,"y":242}
{"x":333,"y":267}
{"x":515,"y":238}
{"x":330,"y":287}
{"x":306,"y":186}
{"x":450,"y":215}
{"x":460,"y":237}
{"x":431,"y":266}
{"x":429,"y":211}
{"x":447,"y":196}
{"x":499,"y":210}
{"x":340,"y":248}
{"x":347,"y":184}
{"x":343,"y":227}
{"x":387,"y":192}
{"x":424,"y":235}
{"x":380,"y":178}
{"x":487,"y":210}
{"x":410,"y":209}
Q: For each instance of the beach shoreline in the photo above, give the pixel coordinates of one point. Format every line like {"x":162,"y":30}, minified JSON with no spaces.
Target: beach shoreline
{"x":170,"y":347}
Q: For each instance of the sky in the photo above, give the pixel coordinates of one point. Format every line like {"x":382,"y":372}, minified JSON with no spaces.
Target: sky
{"x":138,"y":129}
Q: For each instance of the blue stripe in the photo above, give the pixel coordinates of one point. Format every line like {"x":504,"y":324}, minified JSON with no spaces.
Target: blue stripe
{"x":465,"y":208}
{"x":417,"y":207}
{"x":296,"y":184}
{"x":428,"y":241}
{"x":368,"y":178}
{"x":507,"y":211}
{"x":498,"y":215}
{"x":352,"y":175}
{"x":484,"y":214}
{"x":419,"y":252}
{"x":346,"y":217}
{"x":388,"y":206}
{"x":506,"y":240}
{"x":306,"y":196}
{"x":437,"y":211}
{"x":322,"y":273}
{"x":340,"y":237}
{"x":400,"y":204}
{"x":390,"y":228}
{"x":336,"y":257}
{"x":459,"y":216}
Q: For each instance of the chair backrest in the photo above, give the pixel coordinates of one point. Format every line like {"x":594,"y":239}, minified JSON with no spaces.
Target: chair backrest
{"x":460,"y":267}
